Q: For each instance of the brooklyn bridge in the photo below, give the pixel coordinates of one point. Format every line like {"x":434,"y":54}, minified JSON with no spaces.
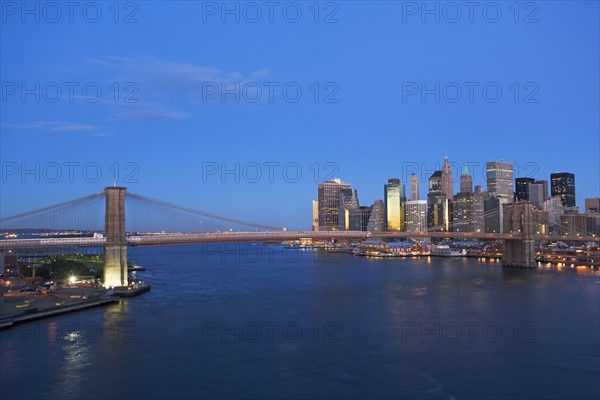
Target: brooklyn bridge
{"x":189,"y":226}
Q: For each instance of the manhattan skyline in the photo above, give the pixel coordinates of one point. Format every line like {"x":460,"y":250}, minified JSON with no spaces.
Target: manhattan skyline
{"x":374,"y":131}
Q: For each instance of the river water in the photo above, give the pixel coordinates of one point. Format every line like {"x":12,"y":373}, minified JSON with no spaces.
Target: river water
{"x":242,"y":321}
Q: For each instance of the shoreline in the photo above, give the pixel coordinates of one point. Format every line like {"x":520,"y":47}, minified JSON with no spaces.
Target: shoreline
{"x":9,"y":322}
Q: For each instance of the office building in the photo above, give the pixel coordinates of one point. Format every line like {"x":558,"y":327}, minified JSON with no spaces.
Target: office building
{"x":359,"y":218}
{"x":466,"y":181}
{"x":535,"y":194}
{"x":499,"y":176}
{"x":447,"y":180}
{"x":592,"y":206}
{"x":562,"y":184}
{"x":377,"y":217}
{"x":329,"y":196}
{"x":315,"y":215}
{"x":395,"y":199}
{"x":478,"y":212}
{"x":522,"y":188}
{"x":416,"y":216}
{"x":544,"y":184}
{"x":414,"y":187}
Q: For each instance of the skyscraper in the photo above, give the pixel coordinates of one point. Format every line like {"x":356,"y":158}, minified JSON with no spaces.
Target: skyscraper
{"x":478,"y":210}
{"x":522,"y":188}
{"x":499,"y":176}
{"x":439,"y":207}
{"x":359,"y":218}
{"x":535,"y":194}
{"x":348,"y":202}
{"x":544,"y":184}
{"x":416,"y":216}
{"x":562,"y":184}
{"x":414,"y":187}
{"x":377,"y":217}
{"x":447,"y":181}
{"x":329,"y":196}
{"x":394,"y":205}
{"x":315,"y":215}
{"x":466,"y":181}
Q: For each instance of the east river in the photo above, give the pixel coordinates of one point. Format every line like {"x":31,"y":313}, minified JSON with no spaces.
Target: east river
{"x":242,"y":321}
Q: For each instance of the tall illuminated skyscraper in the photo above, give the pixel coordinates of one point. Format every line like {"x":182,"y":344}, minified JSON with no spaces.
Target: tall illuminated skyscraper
{"x":416,"y":216}
{"x":462,"y":206}
{"x":395,"y":199}
{"x":562,"y":184}
{"x":447,"y":180}
{"x":329,"y":197}
{"x":499,"y":176}
{"x":414,"y":187}
{"x":348,"y":202}
{"x":439,"y":207}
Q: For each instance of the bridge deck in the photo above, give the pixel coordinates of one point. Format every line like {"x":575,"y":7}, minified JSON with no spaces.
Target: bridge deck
{"x":198,"y":238}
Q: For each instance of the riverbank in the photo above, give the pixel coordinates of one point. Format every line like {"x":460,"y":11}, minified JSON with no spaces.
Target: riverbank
{"x":16,"y":308}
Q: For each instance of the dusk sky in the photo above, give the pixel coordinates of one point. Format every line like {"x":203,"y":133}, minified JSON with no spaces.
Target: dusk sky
{"x":163,"y":122}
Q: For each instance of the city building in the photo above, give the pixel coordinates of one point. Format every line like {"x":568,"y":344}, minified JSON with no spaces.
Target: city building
{"x":329,"y":196}
{"x":359,"y":218}
{"x":395,"y":199}
{"x":494,"y":213}
{"x":478,"y":211}
{"x":562,"y":184}
{"x":414,"y":187}
{"x":416,"y":216}
{"x":499,"y":176}
{"x":466,"y":181}
{"x":462,"y":212}
{"x":544,"y":183}
{"x":439,"y":207}
{"x":377,"y":217}
{"x":447,"y":180}
{"x":592,"y":206}
{"x":348,"y":201}
{"x":535,"y":194}
{"x":315,"y":215}
{"x":522,"y":188}
{"x":554,"y":208}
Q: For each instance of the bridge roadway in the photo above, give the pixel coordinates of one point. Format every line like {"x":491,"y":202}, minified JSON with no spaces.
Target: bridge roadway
{"x":166,"y":239}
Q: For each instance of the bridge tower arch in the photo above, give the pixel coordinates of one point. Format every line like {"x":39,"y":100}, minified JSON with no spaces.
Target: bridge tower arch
{"x":115,"y":247}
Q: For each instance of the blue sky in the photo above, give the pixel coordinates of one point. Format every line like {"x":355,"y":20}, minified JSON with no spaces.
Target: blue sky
{"x":163,"y":121}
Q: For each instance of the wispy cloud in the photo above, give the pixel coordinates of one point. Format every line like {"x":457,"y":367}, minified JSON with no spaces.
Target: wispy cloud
{"x":158,"y":78}
{"x":52,"y":126}
{"x":152,"y":113}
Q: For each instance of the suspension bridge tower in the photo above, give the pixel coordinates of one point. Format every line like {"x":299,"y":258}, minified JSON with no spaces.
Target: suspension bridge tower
{"x":520,"y":251}
{"x":115,"y":248}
